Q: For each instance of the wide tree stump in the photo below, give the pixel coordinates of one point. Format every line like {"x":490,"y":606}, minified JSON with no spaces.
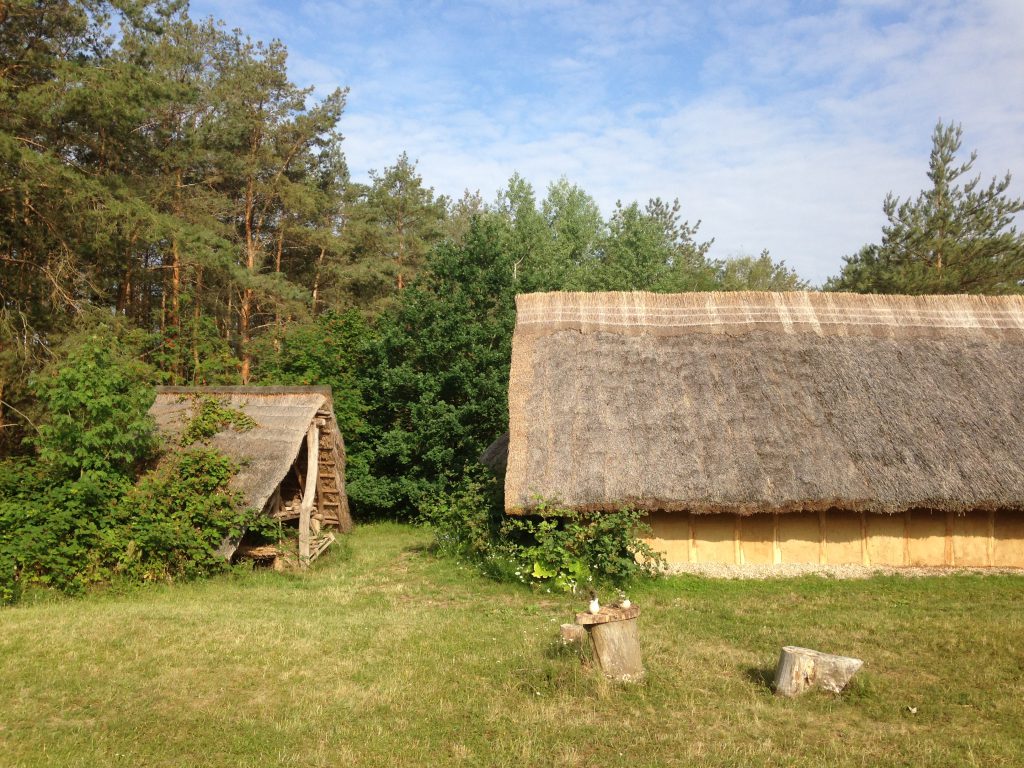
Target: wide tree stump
{"x":801,"y":669}
{"x":616,"y":640}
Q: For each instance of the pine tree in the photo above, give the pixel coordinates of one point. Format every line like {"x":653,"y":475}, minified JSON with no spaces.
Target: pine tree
{"x":956,"y":237}
{"x":390,"y":225}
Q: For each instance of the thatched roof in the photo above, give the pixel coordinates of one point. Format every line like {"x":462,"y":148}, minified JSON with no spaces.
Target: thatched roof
{"x":267,"y":451}
{"x":495,"y":456}
{"x":756,"y":402}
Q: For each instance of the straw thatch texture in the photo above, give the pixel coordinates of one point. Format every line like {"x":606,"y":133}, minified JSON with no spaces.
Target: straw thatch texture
{"x":266,"y":452}
{"x":495,"y":456}
{"x":761,"y":402}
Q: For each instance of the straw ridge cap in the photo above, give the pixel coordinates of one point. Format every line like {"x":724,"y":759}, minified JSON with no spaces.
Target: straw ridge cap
{"x":745,"y":311}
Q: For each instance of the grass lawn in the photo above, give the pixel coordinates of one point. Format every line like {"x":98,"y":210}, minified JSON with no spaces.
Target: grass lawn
{"x":387,"y":656}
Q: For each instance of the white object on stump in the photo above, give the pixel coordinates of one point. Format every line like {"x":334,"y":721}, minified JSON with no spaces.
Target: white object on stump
{"x":801,"y":669}
{"x":616,"y":640}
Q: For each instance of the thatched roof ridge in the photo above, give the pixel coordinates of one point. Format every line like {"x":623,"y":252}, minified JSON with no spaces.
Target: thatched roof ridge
{"x":247,"y":390}
{"x":267,"y":451}
{"x":767,"y":402}
{"x":839,"y":314}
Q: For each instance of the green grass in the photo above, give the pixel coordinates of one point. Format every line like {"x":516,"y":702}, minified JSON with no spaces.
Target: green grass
{"x":387,"y":656}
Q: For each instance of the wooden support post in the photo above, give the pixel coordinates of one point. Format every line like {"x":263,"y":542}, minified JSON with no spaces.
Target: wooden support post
{"x":801,"y":669}
{"x":906,"y":537}
{"x":616,"y":639}
{"x":309,"y":492}
{"x":822,"y":538}
{"x":776,"y":546}
{"x":693,"y":540}
{"x":990,"y":545}
{"x":737,"y":536}
{"x":950,"y":553}
{"x":865,"y":555}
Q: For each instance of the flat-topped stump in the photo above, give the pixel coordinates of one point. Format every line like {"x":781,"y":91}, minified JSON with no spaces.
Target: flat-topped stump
{"x":616,"y":640}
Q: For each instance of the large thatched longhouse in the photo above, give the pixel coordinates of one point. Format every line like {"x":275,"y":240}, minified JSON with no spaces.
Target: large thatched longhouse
{"x":778,"y":427}
{"x":273,"y":455}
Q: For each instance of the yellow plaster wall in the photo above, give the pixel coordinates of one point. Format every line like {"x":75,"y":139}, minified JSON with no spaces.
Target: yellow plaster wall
{"x":917,"y":538}
{"x":716,"y":538}
{"x":927,"y":538}
{"x":758,"y":539}
{"x":800,"y":537}
{"x":843,"y":538}
{"x":970,"y":539}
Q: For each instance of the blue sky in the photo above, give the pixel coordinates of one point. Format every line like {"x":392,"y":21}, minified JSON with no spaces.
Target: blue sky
{"x":780,"y":125}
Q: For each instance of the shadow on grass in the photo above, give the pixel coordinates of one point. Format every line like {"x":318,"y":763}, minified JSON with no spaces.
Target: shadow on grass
{"x":762,"y":677}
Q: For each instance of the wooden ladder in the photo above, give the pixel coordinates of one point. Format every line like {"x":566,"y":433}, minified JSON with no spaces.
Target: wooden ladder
{"x":328,"y":496}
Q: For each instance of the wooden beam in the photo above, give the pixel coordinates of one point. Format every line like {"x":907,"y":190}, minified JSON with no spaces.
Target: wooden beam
{"x":776,"y":546}
{"x":950,"y":553}
{"x":990,"y":549}
{"x":906,"y":537}
{"x":865,"y":555}
{"x":822,"y":538}
{"x":309,"y":492}
{"x":738,"y":538}
{"x":693,"y":540}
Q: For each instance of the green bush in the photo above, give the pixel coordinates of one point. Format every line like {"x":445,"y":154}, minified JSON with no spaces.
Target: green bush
{"x":467,"y":523}
{"x":177,"y":516}
{"x":557,"y":548}
{"x":571,"y":550}
{"x":74,"y":515}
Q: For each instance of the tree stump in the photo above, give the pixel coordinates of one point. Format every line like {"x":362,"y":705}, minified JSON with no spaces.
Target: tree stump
{"x":573,"y":634}
{"x":616,"y":639}
{"x":801,"y":669}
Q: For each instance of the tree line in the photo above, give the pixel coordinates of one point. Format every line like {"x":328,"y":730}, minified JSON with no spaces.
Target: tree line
{"x":169,"y":195}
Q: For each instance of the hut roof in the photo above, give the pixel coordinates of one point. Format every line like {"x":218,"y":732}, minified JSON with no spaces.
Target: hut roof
{"x":266,"y":452}
{"x":755,"y":402}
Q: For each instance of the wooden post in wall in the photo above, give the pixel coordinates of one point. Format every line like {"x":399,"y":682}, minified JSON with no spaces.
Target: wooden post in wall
{"x":309,"y":492}
{"x":776,"y":546}
{"x":990,"y":549}
{"x":865,"y":555}
{"x":737,"y":537}
{"x":693,"y":541}
{"x":822,"y":538}
{"x":950,"y":554}
{"x":906,"y":537}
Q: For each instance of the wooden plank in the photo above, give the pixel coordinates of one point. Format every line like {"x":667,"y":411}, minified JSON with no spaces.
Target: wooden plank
{"x":906,"y":538}
{"x":312,"y":468}
{"x":950,"y":555}
{"x":822,"y":542}
{"x":865,"y":555}
{"x":992,"y":537}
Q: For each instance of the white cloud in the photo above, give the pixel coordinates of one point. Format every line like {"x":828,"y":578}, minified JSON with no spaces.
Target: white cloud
{"x":785,"y":132}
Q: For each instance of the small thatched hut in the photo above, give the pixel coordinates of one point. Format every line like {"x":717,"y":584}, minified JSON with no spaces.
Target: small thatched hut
{"x":276,"y":475}
{"x":778,"y":427}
